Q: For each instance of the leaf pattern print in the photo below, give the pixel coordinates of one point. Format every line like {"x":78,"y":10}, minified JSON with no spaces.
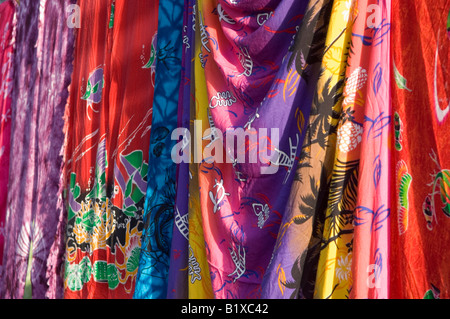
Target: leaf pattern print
{"x":399,"y":79}
{"x":343,"y":195}
{"x":376,"y":219}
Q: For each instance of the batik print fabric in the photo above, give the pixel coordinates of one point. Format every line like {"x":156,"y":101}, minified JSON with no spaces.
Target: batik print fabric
{"x":7,"y":24}
{"x":334,"y":277}
{"x":250,"y":85}
{"x":302,"y":237}
{"x":109,"y":124}
{"x":42,"y":60}
{"x":189,"y":272}
{"x":285,"y":273}
{"x":370,"y":260}
{"x":420,"y":76}
{"x":179,"y":251}
{"x":159,"y":213}
{"x":199,"y":275}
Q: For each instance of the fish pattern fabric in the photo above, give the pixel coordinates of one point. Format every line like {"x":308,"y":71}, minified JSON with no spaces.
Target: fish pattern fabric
{"x":252,"y":88}
{"x":224,"y":149}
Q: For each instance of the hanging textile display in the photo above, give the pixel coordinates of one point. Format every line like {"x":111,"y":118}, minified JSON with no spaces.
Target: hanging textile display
{"x":109,"y":123}
{"x":248,"y":92}
{"x":159,"y":212}
{"x":307,"y":194}
{"x":297,"y":265}
{"x":333,"y":276}
{"x":419,"y":173}
{"x":179,"y":251}
{"x":370,"y":260}
{"x":224,"y":149}
{"x":42,"y":60}
{"x":199,"y":274}
{"x":7,"y":24}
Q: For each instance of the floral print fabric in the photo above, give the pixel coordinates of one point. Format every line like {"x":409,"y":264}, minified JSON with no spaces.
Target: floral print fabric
{"x":224,"y":149}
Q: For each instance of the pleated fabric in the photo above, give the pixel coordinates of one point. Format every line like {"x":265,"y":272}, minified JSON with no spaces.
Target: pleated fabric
{"x":250,"y":85}
{"x":372,"y":215}
{"x":109,"y":120}
{"x":154,"y":261}
{"x":42,"y":68}
{"x":7,"y":26}
{"x":419,"y":80}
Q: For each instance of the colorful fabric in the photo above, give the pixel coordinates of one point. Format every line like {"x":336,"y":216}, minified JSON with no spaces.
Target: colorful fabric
{"x":109,"y":123}
{"x":7,"y":25}
{"x":179,"y":251}
{"x":285,"y":275}
{"x":42,"y":60}
{"x":334,"y":277}
{"x":152,"y":281}
{"x":224,"y":149}
{"x":250,"y":85}
{"x":199,"y":275}
{"x":420,"y":150}
{"x":371,"y":245}
{"x":305,"y":231}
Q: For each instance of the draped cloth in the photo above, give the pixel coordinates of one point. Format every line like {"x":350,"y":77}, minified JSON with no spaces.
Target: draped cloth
{"x":7,"y":24}
{"x":42,"y":60}
{"x":109,"y":119}
{"x":372,"y":215}
{"x":307,"y":225}
{"x":199,"y":272}
{"x":255,"y":82}
{"x":179,"y":252}
{"x":189,"y":272}
{"x":334,"y":276}
{"x":154,"y":261}
{"x":421,"y":160}
{"x":245,"y":149}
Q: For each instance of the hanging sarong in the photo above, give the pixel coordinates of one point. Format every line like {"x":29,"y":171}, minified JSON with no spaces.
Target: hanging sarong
{"x":420,"y":74}
{"x":108,"y":133}
{"x":371,"y":47}
{"x":259,"y":95}
{"x":7,"y":24}
{"x":42,"y":69}
{"x":159,"y":213}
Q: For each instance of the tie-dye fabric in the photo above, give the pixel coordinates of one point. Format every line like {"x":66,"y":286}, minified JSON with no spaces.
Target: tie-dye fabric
{"x":159,"y":212}
{"x":42,"y":60}
{"x":109,"y":123}
{"x":7,"y":24}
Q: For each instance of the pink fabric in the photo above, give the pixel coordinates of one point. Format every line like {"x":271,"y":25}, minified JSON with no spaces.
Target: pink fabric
{"x":371,"y":41}
{"x":6,"y":62}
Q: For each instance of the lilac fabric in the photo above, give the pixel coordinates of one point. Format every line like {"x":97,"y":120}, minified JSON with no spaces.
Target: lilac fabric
{"x":7,"y":25}
{"x":43,"y":66}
